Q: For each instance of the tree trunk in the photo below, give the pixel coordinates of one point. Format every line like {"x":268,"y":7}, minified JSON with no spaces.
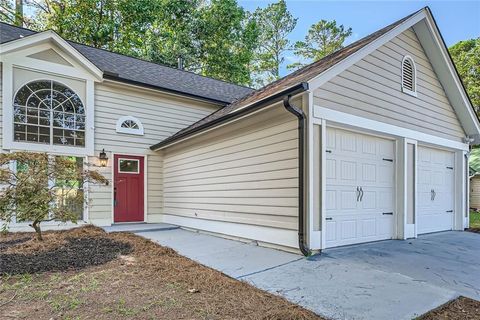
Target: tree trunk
{"x":36,"y":226}
{"x":19,"y":13}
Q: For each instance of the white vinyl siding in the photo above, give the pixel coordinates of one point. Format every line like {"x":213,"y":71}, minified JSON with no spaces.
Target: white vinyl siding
{"x":246,"y":173}
{"x":161,"y":116}
{"x":371,"y":88}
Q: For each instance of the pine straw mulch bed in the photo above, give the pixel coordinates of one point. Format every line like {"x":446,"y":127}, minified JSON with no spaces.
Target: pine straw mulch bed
{"x":460,"y":308}
{"x":140,"y":280}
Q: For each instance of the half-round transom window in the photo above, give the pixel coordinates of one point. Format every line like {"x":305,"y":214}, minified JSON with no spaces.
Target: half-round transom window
{"x":48,"y":112}
{"x":130,"y":125}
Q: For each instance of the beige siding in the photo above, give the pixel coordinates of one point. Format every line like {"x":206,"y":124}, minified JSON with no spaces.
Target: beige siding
{"x":372,"y":89}
{"x":245,"y":173}
{"x":475,"y":192}
{"x":161,"y":116}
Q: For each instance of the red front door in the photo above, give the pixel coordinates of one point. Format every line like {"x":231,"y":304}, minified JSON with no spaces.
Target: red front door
{"x":128,"y":189}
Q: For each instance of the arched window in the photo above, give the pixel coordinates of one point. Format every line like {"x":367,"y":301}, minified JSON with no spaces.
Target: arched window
{"x":130,"y":125}
{"x":48,"y":112}
{"x":409,"y":76}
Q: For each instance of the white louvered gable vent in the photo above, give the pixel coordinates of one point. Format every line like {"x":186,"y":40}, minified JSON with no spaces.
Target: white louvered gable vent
{"x":409,"y":80}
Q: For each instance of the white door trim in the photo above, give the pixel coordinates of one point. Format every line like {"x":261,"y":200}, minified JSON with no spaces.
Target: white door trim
{"x":381,"y":127}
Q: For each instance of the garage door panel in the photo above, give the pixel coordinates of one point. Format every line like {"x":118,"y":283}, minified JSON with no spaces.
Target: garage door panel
{"x":386,"y":149}
{"x":331,"y":168}
{"x":369,"y":200}
{"x":386,"y":175}
{"x":385,"y":199}
{"x":348,"y":142}
{"x":424,"y":199}
{"x":369,"y":172}
{"x":348,"y":200}
{"x":384,"y":225}
{"x":435,"y":190}
{"x":369,"y":228}
{"x":357,"y":162}
{"x":348,"y":170}
{"x":369,"y":146}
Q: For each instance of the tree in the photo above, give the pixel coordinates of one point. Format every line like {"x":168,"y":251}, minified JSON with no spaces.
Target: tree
{"x":274,"y":23}
{"x":116,"y":25}
{"x":466,"y":56}
{"x":226,"y":37}
{"x":172,"y":35}
{"x":322,"y":39}
{"x":216,"y":38}
{"x":42,"y":188}
{"x":12,"y":11}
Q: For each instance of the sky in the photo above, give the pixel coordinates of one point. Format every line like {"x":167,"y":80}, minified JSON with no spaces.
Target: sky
{"x":457,"y":20}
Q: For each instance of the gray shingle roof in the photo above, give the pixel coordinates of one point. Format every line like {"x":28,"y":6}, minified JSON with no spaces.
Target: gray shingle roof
{"x":128,"y":69}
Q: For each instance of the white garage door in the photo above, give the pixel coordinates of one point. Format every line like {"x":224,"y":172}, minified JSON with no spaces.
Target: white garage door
{"x":360,"y":188}
{"x":435,"y":190}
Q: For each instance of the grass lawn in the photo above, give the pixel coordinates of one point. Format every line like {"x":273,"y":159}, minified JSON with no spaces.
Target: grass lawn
{"x":474,"y":220}
{"x":85,"y":273}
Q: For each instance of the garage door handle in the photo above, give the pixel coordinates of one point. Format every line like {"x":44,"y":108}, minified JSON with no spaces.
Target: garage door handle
{"x":431,"y":194}
{"x":358,"y":193}
{"x":361,"y":195}
{"x":328,"y":218}
{"x":449,"y":211}
{"x":389,"y":160}
{"x":434,"y":194}
{"x":388,"y":213}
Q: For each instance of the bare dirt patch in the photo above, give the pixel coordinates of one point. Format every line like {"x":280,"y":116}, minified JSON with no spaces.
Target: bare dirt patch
{"x":150,"y":282}
{"x":461,"y":308}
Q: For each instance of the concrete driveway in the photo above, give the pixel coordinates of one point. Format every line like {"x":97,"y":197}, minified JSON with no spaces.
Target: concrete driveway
{"x":383,"y":280}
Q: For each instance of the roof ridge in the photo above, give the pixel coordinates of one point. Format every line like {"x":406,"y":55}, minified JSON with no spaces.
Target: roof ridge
{"x":317,"y":62}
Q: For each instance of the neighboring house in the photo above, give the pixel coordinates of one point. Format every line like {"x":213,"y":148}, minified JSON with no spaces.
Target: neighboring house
{"x":369,"y":143}
{"x":474,"y":166}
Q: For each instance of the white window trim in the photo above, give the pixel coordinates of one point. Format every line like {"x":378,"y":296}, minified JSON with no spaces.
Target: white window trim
{"x":120,"y":129}
{"x":51,"y":144}
{"x":414,"y":76}
{"x":7,"y":106}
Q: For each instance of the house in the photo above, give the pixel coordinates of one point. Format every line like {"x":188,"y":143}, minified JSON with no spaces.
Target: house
{"x":369,"y":143}
{"x":474,"y":169}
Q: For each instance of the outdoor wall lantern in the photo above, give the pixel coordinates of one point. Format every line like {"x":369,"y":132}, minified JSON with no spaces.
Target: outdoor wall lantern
{"x":103,"y":158}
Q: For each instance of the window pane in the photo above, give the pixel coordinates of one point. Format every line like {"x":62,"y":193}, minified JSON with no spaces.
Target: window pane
{"x":130,"y":124}
{"x":19,"y":114}
{"x":128,"y":165}
{"x":39,"y":85}
{"x":70,"y":192}
{"x":67,"y":120}
{"x":22,"y":96}
{"x":20,"y":132}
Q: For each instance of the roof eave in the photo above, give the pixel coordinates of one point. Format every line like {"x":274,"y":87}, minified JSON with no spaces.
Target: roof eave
{"x":277,"y":97}
{"x":49,"y":35}
{"x":109,"y":76}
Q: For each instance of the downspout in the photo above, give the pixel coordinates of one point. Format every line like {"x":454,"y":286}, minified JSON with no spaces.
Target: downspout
{"x":301,"y":150}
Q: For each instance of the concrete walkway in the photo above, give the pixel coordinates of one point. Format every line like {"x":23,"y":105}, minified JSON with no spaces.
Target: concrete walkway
{"x":383,"y":280}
